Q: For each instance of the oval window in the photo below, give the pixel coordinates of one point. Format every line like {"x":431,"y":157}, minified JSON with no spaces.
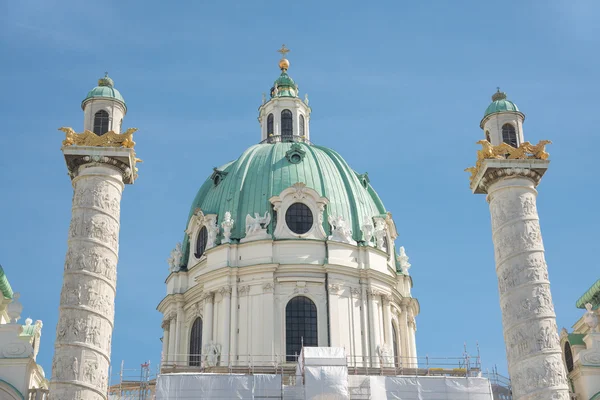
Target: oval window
{"x":201,"y":242}
{"x":299,"y":218}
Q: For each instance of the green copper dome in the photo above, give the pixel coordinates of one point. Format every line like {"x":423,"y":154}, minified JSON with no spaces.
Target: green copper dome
{"x":500,"y":104}
{"x":105,"y":89}
{"x":244,"y":186}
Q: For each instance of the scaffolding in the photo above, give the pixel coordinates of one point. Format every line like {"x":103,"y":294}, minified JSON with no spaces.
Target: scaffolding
{"x":132,"y":383}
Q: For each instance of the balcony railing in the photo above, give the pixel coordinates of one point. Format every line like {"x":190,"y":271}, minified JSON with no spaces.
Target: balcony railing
{"x":286,"y":139}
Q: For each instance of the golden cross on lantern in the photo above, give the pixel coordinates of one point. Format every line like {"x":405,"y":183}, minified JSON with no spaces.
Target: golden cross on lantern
{"x":283,"y":51}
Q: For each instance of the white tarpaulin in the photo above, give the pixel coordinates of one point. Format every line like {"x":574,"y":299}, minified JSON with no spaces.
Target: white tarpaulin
{"x":421,"y":388}
{"x":325,"y":373}
{"x":182,"y":386}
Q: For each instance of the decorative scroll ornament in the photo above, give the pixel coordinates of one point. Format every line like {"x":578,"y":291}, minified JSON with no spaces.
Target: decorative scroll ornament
{"x":590,"y":318}
{"x":339,"y":230}
{"x":227,"y":224}
{"x":368,"y":230}
{"x":109,"y":139}
{"x":175,"y":259}
{"x":403,"y":260}
{"x":505,"y":151}
{"x":380,"y":234}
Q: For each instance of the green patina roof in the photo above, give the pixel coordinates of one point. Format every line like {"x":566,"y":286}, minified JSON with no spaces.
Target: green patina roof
{"x":592,"y":296}
{"x":596,"y":396}
{"x":286,"y":87}
{"x":500,"y":104}
{"x":263,"y":171}
{"x":105,"y":89}
{"x":28,"y":330}
{"x":5,"y":285}
{"x":576,"y":339}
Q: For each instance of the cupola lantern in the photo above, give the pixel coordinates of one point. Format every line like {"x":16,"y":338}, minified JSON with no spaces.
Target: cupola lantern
{"x":285,"y":117}
{"x":104,"y":108}
{"x":502,"y":121}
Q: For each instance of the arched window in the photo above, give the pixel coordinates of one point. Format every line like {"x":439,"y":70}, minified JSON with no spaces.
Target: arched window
{"x":487,"y":136}
{"x":287,"y":127}
{"x":201,"y":242}
{"x":270,"y":124}
{"x":301,"y":131}
{"x":299,"y":218}
{"x":509,"y":135}
{"x":100,"y":122}
{"x":196,"y":343}
{"x":568,"y":357}
{"x":300,"y":326}
{"x":395,"y":345}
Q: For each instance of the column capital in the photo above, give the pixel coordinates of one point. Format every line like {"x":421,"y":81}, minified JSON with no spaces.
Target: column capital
{"x":208,"y":298}
{"x":492,"y":170}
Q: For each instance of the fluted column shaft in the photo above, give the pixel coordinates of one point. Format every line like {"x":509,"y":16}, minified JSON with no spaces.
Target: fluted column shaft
{"x":528,"y":319}
{"x":86,"y":312}
{"x":165,"y":342}
{"x":373,"y":329}
{"x":172,"y":337}
{"x":412,"y":341}
{"x":225,"y":324}
{"x":364,"y":322}
{"x":207,"y":322}
{"x":233,"y":346}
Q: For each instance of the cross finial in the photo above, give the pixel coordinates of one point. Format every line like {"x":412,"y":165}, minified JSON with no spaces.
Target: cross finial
{"x":283,"y":51}
{"x":105,"y":74}
{"x":498,"y":88}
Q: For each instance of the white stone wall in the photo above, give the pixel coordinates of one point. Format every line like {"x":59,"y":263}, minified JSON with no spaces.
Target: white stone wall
{"x":116,"y":113}
{"x":529,"y":323}
{"x":86,"y":314}
{"x":493,"y":124}
{"x":241,"y":291}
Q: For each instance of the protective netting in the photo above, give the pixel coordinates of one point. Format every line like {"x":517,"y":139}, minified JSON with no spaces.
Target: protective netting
{"x":217,"y":386}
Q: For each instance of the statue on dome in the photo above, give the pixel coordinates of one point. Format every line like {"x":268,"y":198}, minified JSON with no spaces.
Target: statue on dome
{"x":227,"y":224}
{"x":380,"y":234}
{"x":306,"y":98}
{"x":590,"y":318}
{"x":340,"y":232}
{"x":368,"y":230}
{"x":175,"y":259}
{"x":257,"y":224}
{"x":403,"y":260}
{"x":213,"y":230}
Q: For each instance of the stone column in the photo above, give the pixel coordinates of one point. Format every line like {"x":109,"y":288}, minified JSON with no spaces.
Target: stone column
{"x":387,"y":319}
{"x":530,"y":333}
{"x":233,"y":342}
{"x":86,"y":312}
{"x":165,"y":341}
{"x":364,"y":322}
{"x":373,"y":329}
{"x":207,"y":322}
{"x":172,"y":337}
{"x":412,"y":341}
{"x":177,"y":354}
{"x":225,"y":324}
{"x":404,"y":342}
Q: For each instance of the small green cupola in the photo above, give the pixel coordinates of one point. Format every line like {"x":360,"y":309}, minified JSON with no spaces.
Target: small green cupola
{"x":105,"y":90}
{"x":284,"y":85}
{"x":500,"y":104}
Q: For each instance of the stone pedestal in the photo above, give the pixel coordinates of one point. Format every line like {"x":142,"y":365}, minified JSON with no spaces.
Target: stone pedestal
{"x":530,"y":333}
{"x":86,"y":313}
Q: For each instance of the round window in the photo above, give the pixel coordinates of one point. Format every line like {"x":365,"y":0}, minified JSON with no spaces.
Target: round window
{"x":299,"y":218}
{"x":201,"y":242}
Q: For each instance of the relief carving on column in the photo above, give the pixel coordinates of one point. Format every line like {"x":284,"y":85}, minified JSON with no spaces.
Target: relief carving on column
{"x":98,"y":194}
{"x":85,"y":329}
{"x":533,"y":374}
{"x":505,"y":207}
{"x":97,"y":227}
{"x":66,"y":368}
{"x":92,"y":260}
{"x":527,"y":339}
{"x":522,"y":270}
{"x":518,"y":237}
{"x":91,"y":293}
{"x":529,"y":302}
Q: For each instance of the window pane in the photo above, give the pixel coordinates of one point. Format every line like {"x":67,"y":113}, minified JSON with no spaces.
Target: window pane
{"x":270,"y":124}
{"x":287,"y":129}
{"x":201,"y":242}
{"x":301,"y":325}
{"x":196,"y":343}
{"x":509,"y":135}
{"x":100,"y":122}
{"x":299,"y":218}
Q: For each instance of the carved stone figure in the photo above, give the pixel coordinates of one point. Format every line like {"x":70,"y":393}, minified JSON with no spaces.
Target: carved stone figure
{"x":227,"y":225}
{"x":212,"y":353}
{"x":212,"y":230}
{"x":175,"y":259}
{"x":340,"y":232}
{"x":258,"y":223}
{"x":14,"y":309}
{"x":386,"y":356}
{"x":368,"y":230}
{"x":306,"y":98}
{"x":403,"y":260}
{"x":380,"y":234}
{"x":591,"y":318}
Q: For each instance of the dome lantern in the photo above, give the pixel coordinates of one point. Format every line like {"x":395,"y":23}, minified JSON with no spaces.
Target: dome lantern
{"x":285,"y":117}
{"x":502,"y":121}
{"x":104,"y":107}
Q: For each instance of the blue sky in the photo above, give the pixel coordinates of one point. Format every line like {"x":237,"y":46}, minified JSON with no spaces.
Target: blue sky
{"x":398,"y":88}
